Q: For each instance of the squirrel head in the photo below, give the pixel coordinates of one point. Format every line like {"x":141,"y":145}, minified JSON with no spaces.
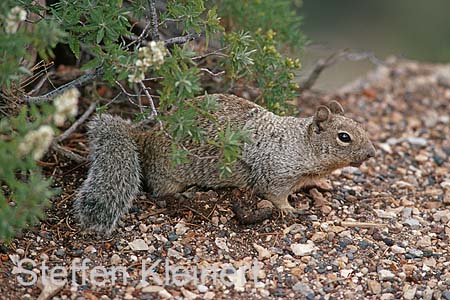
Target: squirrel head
{"x":338,"y":141}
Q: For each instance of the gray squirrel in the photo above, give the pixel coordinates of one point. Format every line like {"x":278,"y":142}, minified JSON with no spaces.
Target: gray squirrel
{"x":284,"y":154}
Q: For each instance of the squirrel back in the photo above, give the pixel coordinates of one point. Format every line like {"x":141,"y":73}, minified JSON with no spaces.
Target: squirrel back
{"x":283,"y":155}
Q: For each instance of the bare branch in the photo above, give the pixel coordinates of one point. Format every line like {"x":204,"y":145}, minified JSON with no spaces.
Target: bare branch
{"x":212,"y":73}
{"x":77,"y":123}
{"x":58,"y":91}
{"x":150,"y":99}
{"x":217,"y":52}
{"x":67,"y":153}
{"x":181,"y":39}
{"x":334,"y":58}
{"x":153,"y":20}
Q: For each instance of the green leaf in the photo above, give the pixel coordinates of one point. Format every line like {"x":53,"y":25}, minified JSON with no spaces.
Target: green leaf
{"x":100,"y":35}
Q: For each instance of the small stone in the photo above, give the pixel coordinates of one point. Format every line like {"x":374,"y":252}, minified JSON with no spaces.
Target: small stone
{"x":387,"y":296}
{"x":143,"y":228}
{"x":60,"y":252}
{"x":398,"y":250}
{"x":303,"y":289}
{"x":421,"y":158}
{"x":424,"y":242}
{"x":188,"y":294}
{"x":319,"y":236}
{"x":181,"y":228}
{"x":346,"y":272}
{"x":413,"y":223}
{"x":90,"y":249}
{"x":414,"y":253}
{"x":20,"y":251}
{"x":386,"y":275}
{"x":446,"y":295}
{"x":209,"y":296}
{"x":152,"y":289}
{"x":409,"y":292}
{"x":221,"y":243}
{"x":138,"y":245}
{"x":407,"y":212}
{"x":262,"y":252}
{"x":417,"y":141}
{"x":165,"y":294}
{"x":374,"y":286}
{"x":202,"y":288}
{"x":303,"y":249}
{"x":115,"y":259}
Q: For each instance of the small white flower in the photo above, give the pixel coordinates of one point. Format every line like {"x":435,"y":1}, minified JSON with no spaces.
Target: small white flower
{"x":37,"y":142}
{"x":66,"y":106}
{"x":137,"y":77}
{"x":15,"y":16}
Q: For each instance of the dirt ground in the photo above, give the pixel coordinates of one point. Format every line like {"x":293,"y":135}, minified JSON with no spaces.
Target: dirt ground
{"x":381,"y":232}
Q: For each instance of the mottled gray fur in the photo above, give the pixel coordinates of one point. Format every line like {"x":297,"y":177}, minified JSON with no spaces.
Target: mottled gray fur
{"x":285,"y":154}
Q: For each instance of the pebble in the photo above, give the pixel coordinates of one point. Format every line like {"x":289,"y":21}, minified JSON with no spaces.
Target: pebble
{"x":20,"y":251}
{"x":424,"y":242}
{"x":115,"y":259}
{"x":374,"y":286}
{"x":398,"y":250}
{"x":417,"y":141}
{"x":138,"y":245}
{"x":414,"y":253}
{"x":409,"y":292}
{"x":60,"y":252}
{"x":413,"y":223}
{"x":303,"y":289}
{"x":386,"y":275}
{"x":209,"y":296}
{"x":303,"y":249}
{"x":262,"y":252}
{"x":202,"y":288}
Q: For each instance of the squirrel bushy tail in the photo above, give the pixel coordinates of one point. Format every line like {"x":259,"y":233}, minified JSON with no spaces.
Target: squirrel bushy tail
{"x":114,"y":176}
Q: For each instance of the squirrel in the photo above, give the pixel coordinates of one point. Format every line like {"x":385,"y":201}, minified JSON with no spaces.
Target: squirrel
{"x":283,"y":155}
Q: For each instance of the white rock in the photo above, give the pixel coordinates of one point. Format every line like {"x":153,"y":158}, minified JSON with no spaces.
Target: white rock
{"x":152,"y":289}
{"x":209,"y":295}
{"x":202,"y":288}
{"x":188,"y":294}
{"x":303,"y":249}
{"x":346,"y":272}
{"x":222,"y":244}
{"x":165,"y":294}
{"x":409,"y":292}
{"x":262,"y":252}
{"x":181,"y":228}
{"x":115,"y":259}
{"x":386,"y":275}
{"x":138,"y":245}
{"x":397,"y":249}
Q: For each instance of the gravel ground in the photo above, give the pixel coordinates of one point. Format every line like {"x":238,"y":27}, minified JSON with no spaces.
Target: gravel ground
{"x":378,"y":232}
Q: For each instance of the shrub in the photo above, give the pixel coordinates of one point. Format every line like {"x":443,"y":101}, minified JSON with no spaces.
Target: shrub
{"x":108,"y":40}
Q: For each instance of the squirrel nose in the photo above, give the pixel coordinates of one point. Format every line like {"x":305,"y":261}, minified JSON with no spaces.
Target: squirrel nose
{"x":371,"y":152}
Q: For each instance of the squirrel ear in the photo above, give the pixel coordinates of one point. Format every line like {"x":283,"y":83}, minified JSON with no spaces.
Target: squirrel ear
{"x":322,"y":114}
{"x":336,"y":108}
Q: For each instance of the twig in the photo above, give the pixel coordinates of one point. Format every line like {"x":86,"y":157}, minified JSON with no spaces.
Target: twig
{"x":150,"y":99}
{"x":212,"y":73}
{"x":362,"y":224}
{"x":182,"y":39}
{"x":67,"y":153}
{"x":77,"y":123}
{"x":40,"y":83}
{"x":217,"y":52}
{"x":322,"y":64}
{"x":153,"y":20}
{"x":58,"y":91}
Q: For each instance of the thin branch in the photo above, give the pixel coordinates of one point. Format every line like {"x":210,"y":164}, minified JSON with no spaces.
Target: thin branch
{"x":58,"y":91}
{"x":212,"y":73}
{"x":322,"y":64}
{"x":153,"y":20}
{"x":217,"y":52}
{"x":77,"y":123}
{"x":150,"y":99}
{"x":67,"y":153}
{"x":181,"y":39}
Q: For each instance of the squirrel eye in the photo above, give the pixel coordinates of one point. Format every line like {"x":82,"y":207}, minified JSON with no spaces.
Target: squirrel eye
{"x":344,"y":137}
